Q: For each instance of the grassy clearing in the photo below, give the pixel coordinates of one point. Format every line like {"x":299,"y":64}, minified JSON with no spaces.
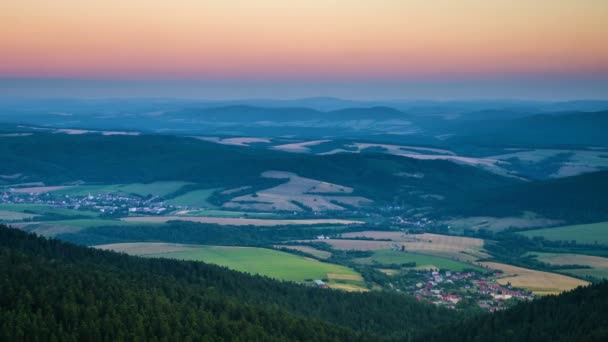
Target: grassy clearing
{"x":594,"y":233}
{"x":599,"y":265}
{"x":391,"y":257}
{"x":41,"y":209}
{"x":539,"y":282}
{"x":194,"y":199}
{"x":140,"y":189}
{"x":268,"y":262}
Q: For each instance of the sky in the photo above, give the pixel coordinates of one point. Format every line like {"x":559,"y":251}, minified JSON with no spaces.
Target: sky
{"x":546,"y":49}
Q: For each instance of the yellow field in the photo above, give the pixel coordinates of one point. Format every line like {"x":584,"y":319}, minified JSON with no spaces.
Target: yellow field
{"x":344,"y":276}
{"x":538,"y":282}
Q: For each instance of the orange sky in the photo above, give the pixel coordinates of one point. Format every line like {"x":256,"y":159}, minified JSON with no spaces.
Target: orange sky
{"x":272,"y":39}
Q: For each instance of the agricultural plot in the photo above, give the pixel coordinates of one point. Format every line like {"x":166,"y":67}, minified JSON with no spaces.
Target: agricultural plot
{"x":146,"y":248}
{"x":542,"y":283}
{"x":235,"y":221}
{"x":9,"y":216}
{"x":225,"y":213}
{"x":242,"y":141}
{"x":576,"y":161}
{"x":297,"y":194}
{"x":40,"y":189}
{"x":391,"y":257}
{"x":159,"y":189}
{"x":454,"y":247}
{"x":307,"y":249}
{"x":301,"y":147}
{"x":425,"y":153}
{"x":193,"y":199}
{"x":355,"y":245}
{"x":527,"y":220}
{"x":594,"y":233}
{"x":262,"y":261}
{"x":54,"y":228}
{"x":599,"y":265}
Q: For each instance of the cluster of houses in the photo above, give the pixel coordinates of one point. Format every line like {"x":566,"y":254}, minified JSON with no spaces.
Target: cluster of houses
{"x":450,"y":288}
{"x":106,"y":203}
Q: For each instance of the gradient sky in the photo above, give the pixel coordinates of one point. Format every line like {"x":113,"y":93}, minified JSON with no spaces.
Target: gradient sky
{"x":383,"y":48}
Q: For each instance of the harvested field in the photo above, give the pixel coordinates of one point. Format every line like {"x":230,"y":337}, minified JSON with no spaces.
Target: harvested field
{"x":528,"y":220}
{"x":146,"y":248}
{"x":301,"y":147}
{"x":599,"y":265}
{"x":242,"y":141}
{"x":539,"y":282}
{"x":313,"y":194}
{"x":232,"y":221}
{"x":307,"y":249}
{"x":454,"y":247}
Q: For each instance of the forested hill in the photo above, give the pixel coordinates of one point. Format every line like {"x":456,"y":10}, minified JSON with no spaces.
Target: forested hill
{"x":56,"y":291}
{"x":580,"y":315}
{"x":52,"y":290}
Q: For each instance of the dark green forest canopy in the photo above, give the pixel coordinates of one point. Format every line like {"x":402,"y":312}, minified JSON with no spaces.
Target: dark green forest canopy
{"x":81,"y":293}
{"x":53,"y":290}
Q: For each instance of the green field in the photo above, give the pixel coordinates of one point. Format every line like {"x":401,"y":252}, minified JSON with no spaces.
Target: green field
{"x":193,"y":199}
{"x":268,"y":262}
{"x":53,"y":228}
{"x":227,"y":213}
{"x":7,"y":216}
{"x":41,"y":209}
{"x":140,"y":189}
{"x":594,"y":233}
{"x":391,"y":257}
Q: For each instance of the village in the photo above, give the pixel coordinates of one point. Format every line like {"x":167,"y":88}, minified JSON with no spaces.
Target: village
{"x":461,"y":289}
{"x":107,"y":204}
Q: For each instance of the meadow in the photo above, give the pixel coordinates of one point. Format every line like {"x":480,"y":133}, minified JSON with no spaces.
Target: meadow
{"x":262,"y":261}
{"x":193,"y":199}
{"x":594,"y":233}
{"x":41,"y":209}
